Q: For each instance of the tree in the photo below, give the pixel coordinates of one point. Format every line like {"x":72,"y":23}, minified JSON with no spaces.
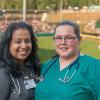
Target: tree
{"x":43,"y":4}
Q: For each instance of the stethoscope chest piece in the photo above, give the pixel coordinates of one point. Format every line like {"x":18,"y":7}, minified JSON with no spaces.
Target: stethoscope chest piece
{"x":41,"y":78}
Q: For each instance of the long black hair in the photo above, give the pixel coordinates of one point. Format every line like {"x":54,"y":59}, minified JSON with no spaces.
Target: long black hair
{"x":5,"y":55}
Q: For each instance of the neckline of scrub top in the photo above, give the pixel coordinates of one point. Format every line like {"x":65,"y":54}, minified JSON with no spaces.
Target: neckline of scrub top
{"x":67,"y":66}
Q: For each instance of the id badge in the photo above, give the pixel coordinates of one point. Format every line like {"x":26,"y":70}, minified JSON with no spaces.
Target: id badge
{"x":29,"y":84}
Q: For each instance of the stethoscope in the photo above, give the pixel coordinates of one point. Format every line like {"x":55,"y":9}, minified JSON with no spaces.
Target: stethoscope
{"x":66,"y":78}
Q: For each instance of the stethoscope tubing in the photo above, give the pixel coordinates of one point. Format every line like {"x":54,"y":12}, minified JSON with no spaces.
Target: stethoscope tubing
{"x":49,"y":66}
{"x":54,"y":60}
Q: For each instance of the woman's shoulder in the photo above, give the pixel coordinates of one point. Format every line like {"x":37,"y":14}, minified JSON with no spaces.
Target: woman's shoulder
{"x":4,"y":70}
{"x":90,"y":71}
{"x":89,"y":65}
{"x":88,"y":59}
{"x":47,"y":63}
{"x":5,"y":82}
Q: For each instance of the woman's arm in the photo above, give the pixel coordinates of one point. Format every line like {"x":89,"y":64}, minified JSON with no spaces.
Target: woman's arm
{"x":4,"y":84}
{"x":97,"y":81}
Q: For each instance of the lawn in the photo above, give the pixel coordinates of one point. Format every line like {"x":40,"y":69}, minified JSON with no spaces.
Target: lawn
{"x":87,"y":46}
{"x":46,"y":47}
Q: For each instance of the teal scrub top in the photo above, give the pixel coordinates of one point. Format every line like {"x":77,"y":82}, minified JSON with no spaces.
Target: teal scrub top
{"x":84,"y":85}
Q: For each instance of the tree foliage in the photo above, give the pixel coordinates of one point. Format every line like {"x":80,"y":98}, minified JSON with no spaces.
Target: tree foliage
{"x":45,"y":4}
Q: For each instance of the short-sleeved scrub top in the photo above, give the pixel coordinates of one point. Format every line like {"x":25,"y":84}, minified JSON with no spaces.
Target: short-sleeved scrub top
{"x":84,"y":85}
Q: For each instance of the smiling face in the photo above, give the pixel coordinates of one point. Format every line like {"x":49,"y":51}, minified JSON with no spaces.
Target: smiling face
{"x":21,"y":45}
{"x":66,"y":41}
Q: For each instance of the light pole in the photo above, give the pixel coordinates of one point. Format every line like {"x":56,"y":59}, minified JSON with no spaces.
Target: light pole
{"x":61,"y":6}
{"x":24,"y":10}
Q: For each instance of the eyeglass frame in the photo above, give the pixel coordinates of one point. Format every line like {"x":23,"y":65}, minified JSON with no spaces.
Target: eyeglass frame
{"x":66,"y":38}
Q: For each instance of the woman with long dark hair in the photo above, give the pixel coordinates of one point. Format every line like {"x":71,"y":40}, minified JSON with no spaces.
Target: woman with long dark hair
{"x":19,"y":62}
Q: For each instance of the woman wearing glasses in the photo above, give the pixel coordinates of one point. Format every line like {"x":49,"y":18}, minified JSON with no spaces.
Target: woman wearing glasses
{"x":69,"y":75}
{"x":18,"y":62}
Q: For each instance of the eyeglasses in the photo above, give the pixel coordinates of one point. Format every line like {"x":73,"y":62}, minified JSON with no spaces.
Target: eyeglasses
{"x":66,"y":38}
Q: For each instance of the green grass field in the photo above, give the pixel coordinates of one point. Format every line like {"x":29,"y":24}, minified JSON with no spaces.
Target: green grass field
{"x":46,"y":47}
{"x":87,"y":46}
